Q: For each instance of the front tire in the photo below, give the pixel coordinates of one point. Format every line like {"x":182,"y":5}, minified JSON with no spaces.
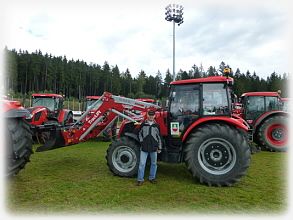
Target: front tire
{"x":217,"y":154}
{"x":123,"y":157}
{"x":273,"y":134}
{"x":18,"y":145}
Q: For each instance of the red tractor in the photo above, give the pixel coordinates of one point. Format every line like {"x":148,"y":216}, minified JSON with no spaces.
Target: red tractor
{"x":18,"y":136}
{"x":47,"y":109}
{"x":264,"y":112}
{"x":198,"y":128}
{"x":89,"y":101}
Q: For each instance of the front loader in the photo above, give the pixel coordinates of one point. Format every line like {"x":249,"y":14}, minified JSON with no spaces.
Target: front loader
{"x":198,"y":128}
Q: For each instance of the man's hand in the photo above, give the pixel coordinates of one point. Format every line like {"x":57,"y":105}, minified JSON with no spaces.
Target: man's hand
{"x":159,"y":151}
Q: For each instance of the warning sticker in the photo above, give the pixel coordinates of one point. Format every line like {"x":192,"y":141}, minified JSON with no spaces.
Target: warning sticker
{"x":175,"y":128}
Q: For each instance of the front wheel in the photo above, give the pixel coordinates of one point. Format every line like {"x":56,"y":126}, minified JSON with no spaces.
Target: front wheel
{"x":217,"y":154}
{"x":123,"y":157}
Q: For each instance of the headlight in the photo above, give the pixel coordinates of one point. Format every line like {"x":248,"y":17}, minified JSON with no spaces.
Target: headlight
{"x":29,"y":116}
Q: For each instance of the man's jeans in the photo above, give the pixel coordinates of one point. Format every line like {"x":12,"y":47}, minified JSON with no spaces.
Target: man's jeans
{"x":141,"y":168}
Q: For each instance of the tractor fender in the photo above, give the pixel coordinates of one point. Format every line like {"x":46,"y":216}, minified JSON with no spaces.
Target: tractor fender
{"x":17,"y":113}
{"x":13,"y":109}
{"x":131,"y":136}
{"x":237,"y":122}
{"x":127,"y":127}
{"x":266,"y":115}
{"x":63,"y":115}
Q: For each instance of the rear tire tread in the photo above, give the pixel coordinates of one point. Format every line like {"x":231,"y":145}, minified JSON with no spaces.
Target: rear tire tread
{"x":19,"y":145}
{"x":218,"y":129}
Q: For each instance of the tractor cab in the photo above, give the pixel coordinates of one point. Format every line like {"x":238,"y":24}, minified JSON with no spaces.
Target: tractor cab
{"x":257,"y":103}
{"x":192,"y":99}
{"x":53,"y":102}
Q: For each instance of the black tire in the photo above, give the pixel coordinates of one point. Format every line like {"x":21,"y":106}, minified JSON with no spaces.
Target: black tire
{"x":18,"y":145}
{"x":123,"y":157}
{"x":41,"y":137}
{"x":217,"y":154}
{"x":273,"y":133}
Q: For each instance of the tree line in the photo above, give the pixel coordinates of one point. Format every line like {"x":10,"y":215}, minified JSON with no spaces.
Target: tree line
{"x":35,"y":72}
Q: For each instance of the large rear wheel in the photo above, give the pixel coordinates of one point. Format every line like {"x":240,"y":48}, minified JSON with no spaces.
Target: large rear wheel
{"x":217,"y":154}
{"x":273,"y":133}
{"x":123,"y":157}
{"x":18,"y":145}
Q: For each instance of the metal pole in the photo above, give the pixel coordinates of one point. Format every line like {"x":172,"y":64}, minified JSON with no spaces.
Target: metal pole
{"x":174,"y":13}
{"x":173,"y":50}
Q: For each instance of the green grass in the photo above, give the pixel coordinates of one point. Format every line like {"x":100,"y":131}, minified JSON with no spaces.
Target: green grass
{"x":77,"y":180}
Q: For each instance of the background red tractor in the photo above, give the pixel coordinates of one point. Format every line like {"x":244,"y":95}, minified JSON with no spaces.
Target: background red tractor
{"x":18,"y":136}
{"x":198,"y":128}
{"x":264,"y":112}
{"x":48,"y":109}
{"x":89,"y":100}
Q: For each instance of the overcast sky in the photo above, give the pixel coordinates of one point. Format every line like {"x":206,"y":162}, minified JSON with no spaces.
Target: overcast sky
{"x":251,"y":35}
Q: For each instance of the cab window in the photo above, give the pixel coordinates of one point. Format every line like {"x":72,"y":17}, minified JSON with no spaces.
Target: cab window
{"x":215,"y":99}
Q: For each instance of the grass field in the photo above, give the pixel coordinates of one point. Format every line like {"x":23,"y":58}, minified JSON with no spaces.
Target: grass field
{"x":76,"y":180}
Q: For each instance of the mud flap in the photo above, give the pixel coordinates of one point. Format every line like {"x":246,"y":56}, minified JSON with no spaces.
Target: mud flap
{"x":55,"y":140}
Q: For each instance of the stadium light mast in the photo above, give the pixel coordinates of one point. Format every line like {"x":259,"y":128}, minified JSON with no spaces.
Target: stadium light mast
{"x":174,"y":13}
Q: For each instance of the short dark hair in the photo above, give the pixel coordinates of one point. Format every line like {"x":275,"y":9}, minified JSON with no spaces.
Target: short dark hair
{"x":151,"y":113}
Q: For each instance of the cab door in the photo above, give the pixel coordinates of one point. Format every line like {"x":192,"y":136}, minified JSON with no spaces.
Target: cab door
{"x":184,"y":108}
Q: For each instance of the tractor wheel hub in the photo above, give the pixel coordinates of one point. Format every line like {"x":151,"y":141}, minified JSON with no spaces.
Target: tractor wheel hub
{"x":216,"y":155}
{"x":277,"y":134}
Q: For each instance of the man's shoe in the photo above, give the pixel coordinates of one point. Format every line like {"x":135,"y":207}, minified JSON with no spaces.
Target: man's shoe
{"x":154,"y":181}
{"x":139,"y":183}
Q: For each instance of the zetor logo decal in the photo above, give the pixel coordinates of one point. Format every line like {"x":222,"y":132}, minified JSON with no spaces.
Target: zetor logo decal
{"x":175,"y":128}
{"x":96,"y":115}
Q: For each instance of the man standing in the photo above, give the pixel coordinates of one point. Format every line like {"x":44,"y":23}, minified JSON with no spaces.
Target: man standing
{"x":151,"y":144}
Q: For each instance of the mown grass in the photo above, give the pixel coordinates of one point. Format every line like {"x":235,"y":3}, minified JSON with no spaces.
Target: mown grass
{"x":76,"y":180}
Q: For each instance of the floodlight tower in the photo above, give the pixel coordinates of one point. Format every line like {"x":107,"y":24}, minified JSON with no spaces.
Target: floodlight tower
{"x":174,"y":13}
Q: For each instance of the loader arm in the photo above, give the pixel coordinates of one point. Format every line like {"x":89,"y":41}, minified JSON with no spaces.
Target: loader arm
{"x":103,"y":112}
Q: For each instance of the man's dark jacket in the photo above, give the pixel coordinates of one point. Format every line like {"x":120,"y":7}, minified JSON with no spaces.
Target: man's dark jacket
{"x":149,"y":137}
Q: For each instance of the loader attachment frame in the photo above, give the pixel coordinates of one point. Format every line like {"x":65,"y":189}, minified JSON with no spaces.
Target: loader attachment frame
{"x":103,"y":112}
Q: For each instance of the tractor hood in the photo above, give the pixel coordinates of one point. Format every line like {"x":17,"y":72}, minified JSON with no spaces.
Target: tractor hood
{"x":34,"y":110}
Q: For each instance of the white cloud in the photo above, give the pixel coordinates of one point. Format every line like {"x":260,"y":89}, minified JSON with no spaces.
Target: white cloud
{"x":134,"y":34}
